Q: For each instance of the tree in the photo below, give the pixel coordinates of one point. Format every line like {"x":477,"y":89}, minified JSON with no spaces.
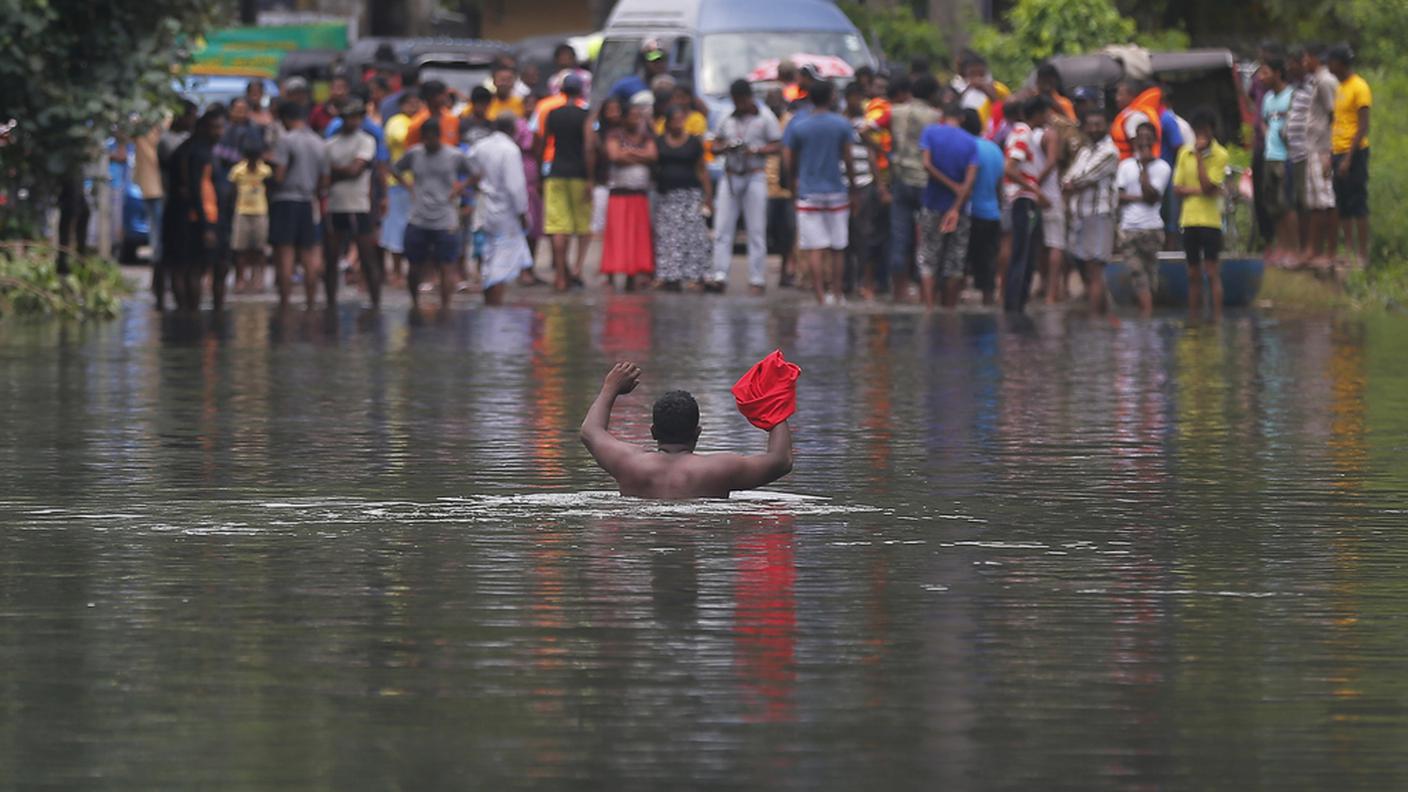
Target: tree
{"x":76,"y":71}
{"x":1038,"y":29}
{"x":900,"y":35}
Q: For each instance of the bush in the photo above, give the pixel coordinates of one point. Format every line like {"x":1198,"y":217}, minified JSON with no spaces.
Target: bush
{"x":30,"y":284}
{"x":1388,"y":166}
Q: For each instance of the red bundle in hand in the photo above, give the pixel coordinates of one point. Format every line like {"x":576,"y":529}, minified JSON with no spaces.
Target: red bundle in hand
{"x":767,"y":394}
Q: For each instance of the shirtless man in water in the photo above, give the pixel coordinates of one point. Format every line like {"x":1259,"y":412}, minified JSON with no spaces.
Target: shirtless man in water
{"x":673,"y":471}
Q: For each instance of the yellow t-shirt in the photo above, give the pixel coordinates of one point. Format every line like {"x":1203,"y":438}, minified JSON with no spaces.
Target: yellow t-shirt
{"x":1354,"y":94}
{"x":1201,"y":211}
{"x":250,"y":198}
{"x":395,"y":131}
{"x":513,"y":104}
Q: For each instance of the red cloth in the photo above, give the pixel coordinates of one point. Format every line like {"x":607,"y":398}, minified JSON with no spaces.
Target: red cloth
{"x":767,"y":394}
{"x":627,"y":247}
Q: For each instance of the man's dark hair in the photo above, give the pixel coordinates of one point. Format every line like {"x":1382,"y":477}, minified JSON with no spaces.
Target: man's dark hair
{"x":972,"y":122}
{"x":480,"y":94}
{"x":381,"y":83}
{"x":208,"y":119}
{"x":564,"y":47}
{"x":238,"y":100}
{"x":430,"y":129}
{"x":925,"y":88}
{"x":291,"y":111}
{"x":919,"y":65}
{"x":822,"y":94}
{"x":952,"y":110}
{"x":1278,"y":65}
{"x":898,"y":86}
{"x":1012,"y":110}
{"x":1035,"y":105}
{"x":1089,"y":112}
{"x":854,"y":89}
{"x":409,"y":77}
{"x":1153,"y":130}
{"x":506,"y":123}
{"x":864,"y":73}
{"x":431,"y":89}
{"x":1134,"y":85}
{"x":1048,"y":71}
{"x":1341,"y":53}
{"x":1204,"y":118}
{"x":740,"y":89}
{"x":676,"y":418}
{"x":405,"y":96}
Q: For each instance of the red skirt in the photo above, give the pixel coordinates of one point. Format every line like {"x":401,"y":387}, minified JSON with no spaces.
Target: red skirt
{"x":626,"y":244}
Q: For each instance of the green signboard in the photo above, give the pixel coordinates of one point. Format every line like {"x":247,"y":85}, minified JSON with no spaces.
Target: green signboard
{"x":318,"y":35}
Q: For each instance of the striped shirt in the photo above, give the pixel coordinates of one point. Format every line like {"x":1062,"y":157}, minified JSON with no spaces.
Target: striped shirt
{"x":1298,"y":121}
{"x":1022,"y":148}
{"x":1092,"y":177}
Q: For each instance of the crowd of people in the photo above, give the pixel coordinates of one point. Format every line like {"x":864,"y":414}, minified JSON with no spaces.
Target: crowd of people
{"x":894,"y":181}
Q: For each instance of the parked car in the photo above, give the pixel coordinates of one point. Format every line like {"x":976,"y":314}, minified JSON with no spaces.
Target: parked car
{"x":459,"y":63}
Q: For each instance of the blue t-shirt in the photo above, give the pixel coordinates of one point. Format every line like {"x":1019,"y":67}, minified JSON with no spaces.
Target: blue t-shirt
{"x":383,"y":154}
{"x":816,"y":142}
{"x":984,"y":205}
{"x":628,"y":86}
{"x":1172,"y":137}
{"x":952,"y":150}
{"x":1274,"y":109}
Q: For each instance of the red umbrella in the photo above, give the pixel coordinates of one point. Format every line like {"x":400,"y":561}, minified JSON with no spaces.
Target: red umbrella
{"x":827,"y":66}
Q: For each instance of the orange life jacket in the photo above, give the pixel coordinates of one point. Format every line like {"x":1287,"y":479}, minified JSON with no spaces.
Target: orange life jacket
{"x":1147,"y":103}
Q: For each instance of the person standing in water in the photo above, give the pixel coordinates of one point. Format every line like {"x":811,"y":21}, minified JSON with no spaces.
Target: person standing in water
{"x":673,"y":471}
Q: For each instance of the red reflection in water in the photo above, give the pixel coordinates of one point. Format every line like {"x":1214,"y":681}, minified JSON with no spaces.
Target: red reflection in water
{"x":625,"y":326}
{"x":765,"y":621}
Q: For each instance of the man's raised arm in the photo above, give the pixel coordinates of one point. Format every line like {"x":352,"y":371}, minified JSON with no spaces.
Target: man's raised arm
{"x":605,"y":448}
{"x":750,"y":472}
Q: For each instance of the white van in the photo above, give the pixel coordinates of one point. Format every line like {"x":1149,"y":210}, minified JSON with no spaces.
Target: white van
{"x":711,"y":43}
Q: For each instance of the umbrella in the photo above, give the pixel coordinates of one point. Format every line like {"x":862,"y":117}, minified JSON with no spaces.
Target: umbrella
{"x":827,"y":66}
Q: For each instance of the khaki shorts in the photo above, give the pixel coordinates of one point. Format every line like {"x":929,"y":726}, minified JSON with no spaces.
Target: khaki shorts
{"x":1319,"y":186}
{"x":567,"y":206}
{"x":1140,"y":252}
{"x":249,"y":233}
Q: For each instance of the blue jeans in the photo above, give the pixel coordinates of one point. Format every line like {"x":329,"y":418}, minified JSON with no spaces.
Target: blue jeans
{"x":1025,"y":222}
{"x":905,"y":203}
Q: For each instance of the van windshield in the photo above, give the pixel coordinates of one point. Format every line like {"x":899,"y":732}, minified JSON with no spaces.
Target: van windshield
{"x":730,"y":56}
{"x":617,"y":59}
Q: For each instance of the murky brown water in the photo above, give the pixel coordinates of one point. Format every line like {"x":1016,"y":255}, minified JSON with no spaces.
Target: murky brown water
{"x":370,"y":554}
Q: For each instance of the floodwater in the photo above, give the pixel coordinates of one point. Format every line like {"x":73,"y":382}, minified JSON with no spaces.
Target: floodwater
{"x":294,"y":552}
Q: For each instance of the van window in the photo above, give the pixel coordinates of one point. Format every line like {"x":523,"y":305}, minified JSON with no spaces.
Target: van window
{"x":730,"y":56}
{"x":616,"y":60}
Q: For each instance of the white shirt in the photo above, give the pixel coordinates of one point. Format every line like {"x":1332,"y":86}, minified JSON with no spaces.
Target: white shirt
{"x":1140,"y":216}
{"x":351,"y":195}
{"x":503,"y":188}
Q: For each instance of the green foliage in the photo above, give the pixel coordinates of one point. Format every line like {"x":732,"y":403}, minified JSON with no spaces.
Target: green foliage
{"x":30,"y":285}
{"x":74,"y":71}
{"x":1067,"y":27}
{"x":1167,"y":40}
{"x":1034,"y":30}
{"x":1388,"y":166}
{"x":901,"y":36}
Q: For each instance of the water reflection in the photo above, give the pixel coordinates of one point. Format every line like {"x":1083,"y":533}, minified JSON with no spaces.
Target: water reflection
{"x":1135,"y":555}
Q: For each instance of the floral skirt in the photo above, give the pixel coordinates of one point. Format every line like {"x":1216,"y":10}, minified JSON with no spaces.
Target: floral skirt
{"x":683,"y":250}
